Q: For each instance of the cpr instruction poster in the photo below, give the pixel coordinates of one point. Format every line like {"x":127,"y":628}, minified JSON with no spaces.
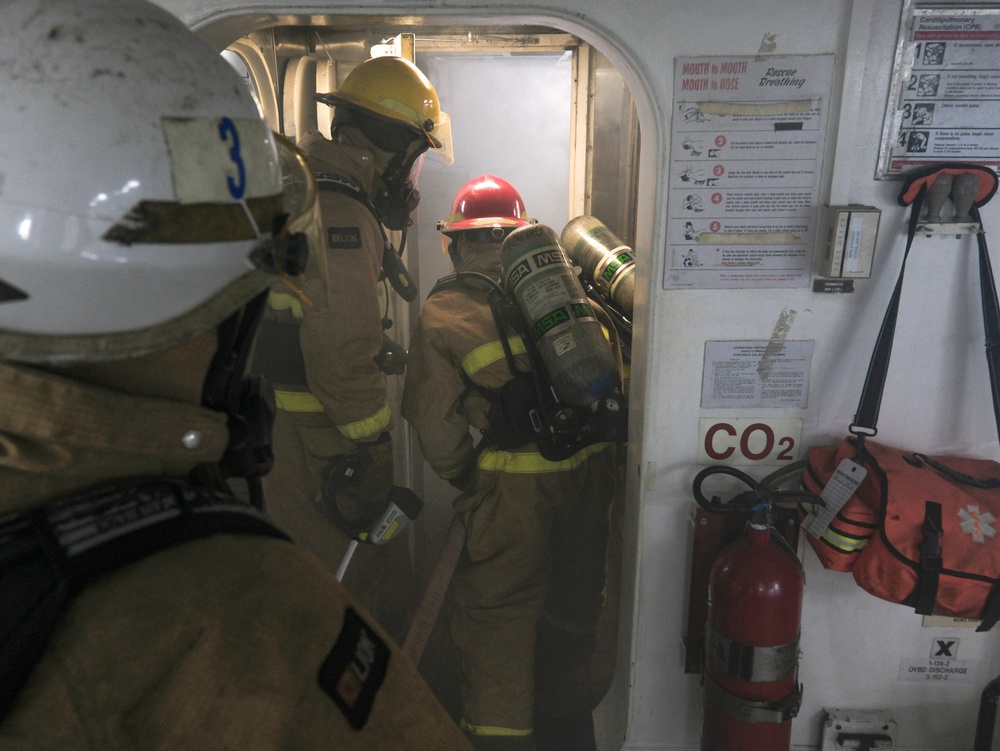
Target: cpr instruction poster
{"x":945,"y":98}
{"x":746,"y":157}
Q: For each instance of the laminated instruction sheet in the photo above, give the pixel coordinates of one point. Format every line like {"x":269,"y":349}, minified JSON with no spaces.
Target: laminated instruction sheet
{"x":746,"y":158}
{"x":944,"y":105}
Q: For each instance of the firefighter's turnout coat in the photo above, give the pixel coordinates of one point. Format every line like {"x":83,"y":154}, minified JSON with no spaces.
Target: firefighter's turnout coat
{"x":231,"y":641}
{"x":317,"y":347}
{"x":537,"y":530}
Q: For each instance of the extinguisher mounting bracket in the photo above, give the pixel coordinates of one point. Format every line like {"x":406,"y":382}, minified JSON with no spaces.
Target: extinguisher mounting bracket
{"x":754,"y":711}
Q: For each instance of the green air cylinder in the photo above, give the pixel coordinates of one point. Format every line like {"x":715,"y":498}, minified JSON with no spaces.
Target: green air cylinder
{"x":606,"y":261}
{"x":570,"y":340}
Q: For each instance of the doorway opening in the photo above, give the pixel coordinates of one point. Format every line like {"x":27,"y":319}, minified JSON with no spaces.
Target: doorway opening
{"x":536,"y":104}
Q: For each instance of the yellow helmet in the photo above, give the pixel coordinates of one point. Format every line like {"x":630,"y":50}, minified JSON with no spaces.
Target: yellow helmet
{"x":396,"y":89}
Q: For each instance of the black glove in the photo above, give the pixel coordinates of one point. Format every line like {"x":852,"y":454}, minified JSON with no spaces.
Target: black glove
{"x":357,"y":484}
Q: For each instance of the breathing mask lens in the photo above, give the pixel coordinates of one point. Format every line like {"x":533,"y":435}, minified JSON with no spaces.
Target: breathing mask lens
{"x":399,"y":196}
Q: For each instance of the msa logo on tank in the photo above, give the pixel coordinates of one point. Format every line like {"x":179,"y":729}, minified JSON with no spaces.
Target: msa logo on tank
{"x":559,"y":316}
{"x":609,"y":273}
{"x":354,"y":670}
{"x":518,"y":272}
{"x":540,"y":260}
{"x":547,"y":258}
{"x":343,"y":238}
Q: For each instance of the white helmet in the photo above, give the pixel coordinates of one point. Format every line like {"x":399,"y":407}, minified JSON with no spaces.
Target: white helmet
{"x":139,"y":188}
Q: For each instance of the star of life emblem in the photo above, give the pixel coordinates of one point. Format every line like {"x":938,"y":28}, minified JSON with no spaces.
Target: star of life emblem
{"x":977,"y":524}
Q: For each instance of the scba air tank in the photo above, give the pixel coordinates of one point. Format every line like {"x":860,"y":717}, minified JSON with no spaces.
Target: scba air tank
{"x":571,"y":341}
{"x":606,"y":261}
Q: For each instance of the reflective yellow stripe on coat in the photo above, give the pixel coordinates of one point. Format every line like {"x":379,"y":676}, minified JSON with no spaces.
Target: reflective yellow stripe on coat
{"x":304,"y":401}
{"x":489,"y":353}
{"x":285,"y":301}
{"x":490,"y":730}
{"x":296,"y":401}
{"x":531,"y":462}
{"x":518,"y":462}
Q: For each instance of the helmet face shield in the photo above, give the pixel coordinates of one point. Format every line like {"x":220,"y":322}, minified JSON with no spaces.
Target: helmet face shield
{"x":440,"y":138}
{"x":299,"y":229}
{"x":414,"y":176}
{"x":397,"y":196}
{"x":297,"y":180}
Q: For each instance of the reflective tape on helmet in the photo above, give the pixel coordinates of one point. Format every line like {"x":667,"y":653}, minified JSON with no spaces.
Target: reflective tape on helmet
{"x":168,"y":222}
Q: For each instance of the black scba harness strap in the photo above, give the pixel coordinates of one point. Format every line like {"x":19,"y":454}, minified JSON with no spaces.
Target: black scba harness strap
{"x":526,"y":408}
{"x":249,"y":417}
{"x":49,"y":555}
{"x":392,"y":265}
{"x":278,"y":354}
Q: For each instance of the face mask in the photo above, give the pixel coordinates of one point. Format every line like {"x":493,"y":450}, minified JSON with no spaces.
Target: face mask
{"x":397,"y":195}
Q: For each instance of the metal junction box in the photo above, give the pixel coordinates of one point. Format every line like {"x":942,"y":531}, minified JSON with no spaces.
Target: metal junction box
{"x":850,"y":247}
{"x":858,"y":730}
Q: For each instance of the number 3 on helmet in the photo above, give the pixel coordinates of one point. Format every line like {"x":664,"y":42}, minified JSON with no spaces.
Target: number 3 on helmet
{"x":140,"y":187}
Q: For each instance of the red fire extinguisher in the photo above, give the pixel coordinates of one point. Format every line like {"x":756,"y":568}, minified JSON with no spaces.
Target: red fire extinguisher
{"x":750,"y":678}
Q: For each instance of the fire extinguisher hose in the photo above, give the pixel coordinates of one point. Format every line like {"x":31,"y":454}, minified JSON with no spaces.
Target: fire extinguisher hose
{"x":764,"y":492}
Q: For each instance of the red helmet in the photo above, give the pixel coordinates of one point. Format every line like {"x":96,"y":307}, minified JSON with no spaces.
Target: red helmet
{"x":485,"y":201}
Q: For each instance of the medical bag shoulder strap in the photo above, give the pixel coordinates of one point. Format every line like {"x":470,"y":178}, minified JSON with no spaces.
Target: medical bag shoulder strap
{"x":865,"y":419}
{"x":49,"y":555}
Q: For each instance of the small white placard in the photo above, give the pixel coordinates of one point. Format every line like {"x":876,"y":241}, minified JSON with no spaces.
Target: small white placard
{"x":756,"y":373}
{"x":946,"y":621}
{"x":938,"y":671}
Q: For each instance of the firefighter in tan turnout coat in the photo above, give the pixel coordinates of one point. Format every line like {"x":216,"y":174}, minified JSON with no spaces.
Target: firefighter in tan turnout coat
{"x":527,"y":593}
{"x":321,"y":334}
{"x":142,"y":604}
